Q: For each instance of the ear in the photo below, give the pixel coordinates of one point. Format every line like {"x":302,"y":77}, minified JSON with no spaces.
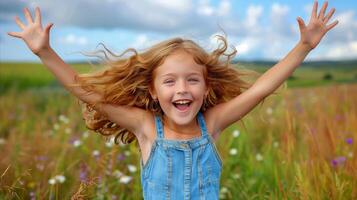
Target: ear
{"x":152,"y":93}
{"x":206,"y":93}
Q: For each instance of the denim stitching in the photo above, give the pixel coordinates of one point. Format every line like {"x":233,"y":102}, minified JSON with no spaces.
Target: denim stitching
{"x":200,"y":179}
{"x":169,"y":171}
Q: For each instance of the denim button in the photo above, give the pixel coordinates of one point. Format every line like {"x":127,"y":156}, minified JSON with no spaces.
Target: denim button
{"x":184,"y":145}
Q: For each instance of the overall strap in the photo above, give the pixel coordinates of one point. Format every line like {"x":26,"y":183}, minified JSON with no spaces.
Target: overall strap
{"x":158,"y":126}
{"x":202,"y":123}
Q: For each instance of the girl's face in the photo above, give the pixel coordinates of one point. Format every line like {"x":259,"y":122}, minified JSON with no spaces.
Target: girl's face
{"x":179,"y":85}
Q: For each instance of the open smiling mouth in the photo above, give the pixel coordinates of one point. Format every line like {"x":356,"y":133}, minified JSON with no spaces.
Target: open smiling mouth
{"x":183,"y":105}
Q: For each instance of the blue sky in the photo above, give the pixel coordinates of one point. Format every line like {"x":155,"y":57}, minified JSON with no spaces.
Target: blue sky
{"x":263,"y":30}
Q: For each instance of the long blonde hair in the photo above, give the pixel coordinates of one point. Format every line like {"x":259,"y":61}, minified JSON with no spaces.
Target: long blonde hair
{"x":126,"y":81}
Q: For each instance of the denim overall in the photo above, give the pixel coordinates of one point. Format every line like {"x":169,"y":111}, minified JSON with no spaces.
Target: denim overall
{"x":182,"y":169}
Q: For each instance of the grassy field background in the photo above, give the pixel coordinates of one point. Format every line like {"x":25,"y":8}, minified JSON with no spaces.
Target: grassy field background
{"x":298,"y":144}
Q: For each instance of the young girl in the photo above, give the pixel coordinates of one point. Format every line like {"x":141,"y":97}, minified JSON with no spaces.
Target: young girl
{"x":175,"y":99}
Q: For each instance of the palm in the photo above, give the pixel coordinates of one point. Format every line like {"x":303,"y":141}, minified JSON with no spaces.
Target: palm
{"x":34,"y":36}
{"x":312,"y":34}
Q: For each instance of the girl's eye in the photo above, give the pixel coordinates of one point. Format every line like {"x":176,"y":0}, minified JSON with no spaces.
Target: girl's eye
{"x":168,"y":81}
{"x":193,"y":80}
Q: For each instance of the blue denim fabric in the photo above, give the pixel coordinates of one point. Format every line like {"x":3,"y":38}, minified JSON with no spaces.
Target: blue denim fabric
{"x":182,"y":169}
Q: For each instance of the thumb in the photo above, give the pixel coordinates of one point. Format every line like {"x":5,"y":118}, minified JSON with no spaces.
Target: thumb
{"x":301,"y":23}
{"x":48,"y":27}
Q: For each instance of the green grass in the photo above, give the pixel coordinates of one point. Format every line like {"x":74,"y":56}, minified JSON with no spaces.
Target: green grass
{"x":285,"y":148}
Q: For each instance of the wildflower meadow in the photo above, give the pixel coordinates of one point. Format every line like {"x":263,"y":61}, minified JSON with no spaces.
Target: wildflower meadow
{"x":300,"y":143}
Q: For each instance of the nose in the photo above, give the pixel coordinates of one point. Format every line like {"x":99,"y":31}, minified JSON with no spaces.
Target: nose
{"x":181,"y":87}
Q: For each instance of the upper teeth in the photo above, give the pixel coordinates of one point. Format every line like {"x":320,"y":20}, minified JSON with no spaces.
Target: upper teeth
{"x":182,"y":102}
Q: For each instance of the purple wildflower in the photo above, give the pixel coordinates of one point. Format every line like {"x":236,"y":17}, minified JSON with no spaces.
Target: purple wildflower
{"x":121,"y":157}
{"x":340,"y":160}
{"x":41,"y":158}
{"x":83,"y":174}
{"x":349,"y":140}
{"x":339,"y":118}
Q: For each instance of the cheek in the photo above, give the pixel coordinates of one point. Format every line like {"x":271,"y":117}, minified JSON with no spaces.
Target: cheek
{"x":165,"y":93}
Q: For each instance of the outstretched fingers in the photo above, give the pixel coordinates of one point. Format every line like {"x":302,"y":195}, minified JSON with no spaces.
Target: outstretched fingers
{"x":314,"y":10}
{"x":333,"y":24}
{"x":15,"y":34}
{"x":301,"y":23}
{"x":329,"y":15}
{"x":48,"y":27}
{"x":323,"y":10}
{"x":19,"y":23}
{"x":37,"y":15}
{"x":28,"y":16}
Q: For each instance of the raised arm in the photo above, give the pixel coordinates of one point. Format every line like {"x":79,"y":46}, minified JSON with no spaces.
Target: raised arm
{"x":37,"y":39}
{"x":310,"y":36}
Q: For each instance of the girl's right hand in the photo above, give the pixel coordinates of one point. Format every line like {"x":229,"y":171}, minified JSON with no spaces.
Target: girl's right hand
{"x":35,"y":37}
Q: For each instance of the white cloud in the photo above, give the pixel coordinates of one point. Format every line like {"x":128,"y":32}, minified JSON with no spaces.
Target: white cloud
{"x":174,"y":5}
{"x":72,"y":39}
{"x":224,"y":8}
{"x":254,"y":13}
{"x":279,"y":20}
{"x":205,"y":8}
{"x":269,"y":31}
{"x":252,"y":20}
{"x":247,"y":45}
{"x":335,"y":52}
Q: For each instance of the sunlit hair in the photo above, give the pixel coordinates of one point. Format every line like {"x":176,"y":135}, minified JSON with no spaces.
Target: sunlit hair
{"x":126,"y":81}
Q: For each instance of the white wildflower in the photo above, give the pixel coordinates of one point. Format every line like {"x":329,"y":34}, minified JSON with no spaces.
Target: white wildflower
{"x":68,"y":130}
{"x":350,"y":154}
{"x":2,"y":141}
{"x":63,"y":119}
{"x":52,"y":181}
{"x":276,"y":144}
{"x":235,"y":133}
{"x":224,"y":190}
{"x":95,"y":153}
{"x":85,"y":134}
{"x":222,"y":196}
{"x":110,"y":143}
{"x":77,"y":143}
{"x":117,"y":173}
{"x":259,"y":157}
{"x":236,"y":176}
{"x":269,"y":111}
{"x":132,"y":168}
{"x":233,"y":151}
{"x":127,"y":153}
{"x":125,"y":179}
{"x":56,"y":126}
{"x":40,"y":167}
{"x":60,"y":178}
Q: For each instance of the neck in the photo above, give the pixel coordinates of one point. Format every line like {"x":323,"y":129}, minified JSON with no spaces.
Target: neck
{"x":190,"y":129}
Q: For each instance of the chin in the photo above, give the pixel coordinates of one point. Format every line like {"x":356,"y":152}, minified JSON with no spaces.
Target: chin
{"x":183,"y":118}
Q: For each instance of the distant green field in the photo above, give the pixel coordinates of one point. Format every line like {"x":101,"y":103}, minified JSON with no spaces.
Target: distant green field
{"x":300,"y":144}
{"x":28,"y":75}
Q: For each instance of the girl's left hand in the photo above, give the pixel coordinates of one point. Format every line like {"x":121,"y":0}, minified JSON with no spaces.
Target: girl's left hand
{"x":312,"y":34}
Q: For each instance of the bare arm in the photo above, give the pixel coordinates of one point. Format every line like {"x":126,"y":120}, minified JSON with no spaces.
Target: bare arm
{"x":311,"y":36}
{"x":229,"y":112}
{"x":37,"y":39}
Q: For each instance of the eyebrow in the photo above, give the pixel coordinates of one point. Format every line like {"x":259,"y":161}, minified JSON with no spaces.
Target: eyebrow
{"x":173,"y":74}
